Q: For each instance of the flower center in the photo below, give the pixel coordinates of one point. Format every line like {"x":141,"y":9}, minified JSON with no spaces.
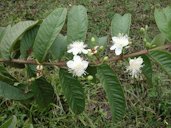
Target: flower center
{"x":78,"y":66}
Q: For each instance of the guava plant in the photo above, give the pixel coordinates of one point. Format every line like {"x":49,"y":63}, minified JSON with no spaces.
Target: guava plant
{"x":39,"y":46}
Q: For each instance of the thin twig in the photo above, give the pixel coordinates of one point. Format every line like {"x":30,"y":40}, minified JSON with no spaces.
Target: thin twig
{"x":22,"y":61}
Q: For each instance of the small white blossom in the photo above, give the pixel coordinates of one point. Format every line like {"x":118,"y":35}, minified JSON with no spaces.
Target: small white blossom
{"x":119,"y":42}
{"x":77,"y":47}
{"x":77,"y":66}
{"x":135,"y":66}
{"x":39,"y":67}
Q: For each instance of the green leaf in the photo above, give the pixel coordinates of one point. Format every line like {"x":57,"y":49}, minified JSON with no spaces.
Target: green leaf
{"x":73,"y":91}
{"x":77,"y":24}
{"x":27,"y":41}
{"x":147,"y":69}
{"x":121,"y":24}
{"x":158,"y":40}
{"x":5,"y":76}
{"x":102,"y":41}
{"x":163,"y":20}
{"x":31,"y":70}
{"x":12,"y":35}
{"x":2,"y":32}
{"x":163,"y":59}
{"x":58,"y":47}
{"x":10,"y":123}
{"x":28,"y":126}
{"x":11,"y":92}
{"x":113,"y":90}
{"x":47,"y":33}
{"x":43,"y":92}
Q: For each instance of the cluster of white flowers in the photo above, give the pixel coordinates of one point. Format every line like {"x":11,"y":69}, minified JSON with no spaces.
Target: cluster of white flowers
{"x":135,"y":65}
{"x":77,"y":66}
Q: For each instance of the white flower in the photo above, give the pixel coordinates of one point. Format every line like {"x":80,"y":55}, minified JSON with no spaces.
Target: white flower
{"x":119,"y":42}
{"x":77,"y":47}
{"x":135,"y":66}
{"x":77,"y":66}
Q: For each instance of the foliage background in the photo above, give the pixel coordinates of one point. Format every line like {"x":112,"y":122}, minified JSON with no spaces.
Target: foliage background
{"x":147,"y":106}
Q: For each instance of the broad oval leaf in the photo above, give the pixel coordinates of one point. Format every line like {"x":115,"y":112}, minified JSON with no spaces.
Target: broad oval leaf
{"x":158,"y":40}
{"x":163,"y":20}
{"x":2,"y":32}
{"x":12,"y":35}
{"x":121,"y":24}
{"x":27,"y":41}
{"x":77,"y":24}
{"x":11,"y":92}
{"x":73,"y":91}
{"x":163,"y":59}
{"x":113,"y":90}
{"x":147,"y":68}
{"x":102,"y":41}
{"x":58,"y":47}
{"x":10,"y":123}
{"x":43,"y":92}
{"x":47,"y":33}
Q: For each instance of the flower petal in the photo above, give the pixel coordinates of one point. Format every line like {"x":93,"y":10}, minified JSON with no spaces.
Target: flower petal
{"x":77,"y":59}
{"x":85,"y":51}
{"x":70,"y":64}
{"x":69,"y":51}
{"x":85,"y":64}
{"x":75,"y":52}
{"x":118,"y":50}
{"x":113,"y":47}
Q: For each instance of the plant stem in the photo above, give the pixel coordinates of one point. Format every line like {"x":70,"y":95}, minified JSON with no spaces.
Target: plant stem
{"x":63,"y":63}
{"x":30,"y":61}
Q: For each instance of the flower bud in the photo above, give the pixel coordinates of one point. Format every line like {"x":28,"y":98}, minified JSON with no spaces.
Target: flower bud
{"x":106,"y":58}
{"x":148,"y":45}
{"x":145,"y":40}
{"x":89,"y":54}
{"x":146,"y":27}
{"x":90,"y":77}
{"x":166,"y":122}
{"x":101,"y":47}
{"x":39,"y":67}
{"x":142,"y":29}
{"x":39,"y":74}
{"x":31,"y":79}
{"x":93,"y":39}
{"x":153,"y":46}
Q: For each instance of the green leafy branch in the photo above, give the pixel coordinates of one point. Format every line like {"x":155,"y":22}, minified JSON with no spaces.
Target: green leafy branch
{"x":62,"y":63}
{"x":43,"y":41}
